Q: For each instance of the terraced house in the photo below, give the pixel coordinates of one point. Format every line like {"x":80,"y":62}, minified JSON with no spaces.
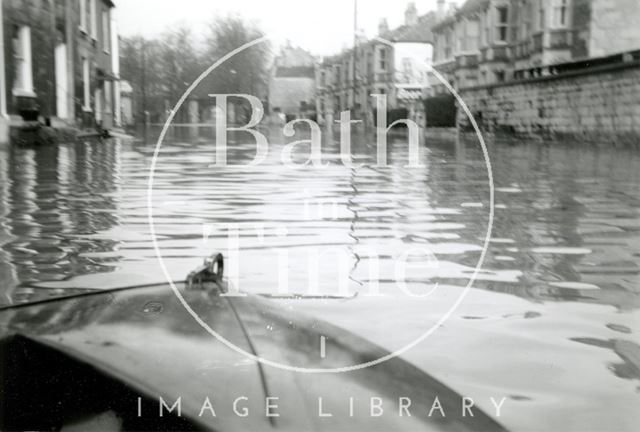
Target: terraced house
{"x":485,"y":42}
{"x":395,"y":63}
{"x":60,"y":63}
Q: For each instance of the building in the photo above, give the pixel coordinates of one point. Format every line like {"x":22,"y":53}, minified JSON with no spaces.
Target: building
{"x":395,"y":63}
{"x":412,"y":51}
{"x":471,"y":44}
{"x":60,"y":63}
{"x":292,"y":83}
{"x":556,"y":69}
{"x":487,"y":42}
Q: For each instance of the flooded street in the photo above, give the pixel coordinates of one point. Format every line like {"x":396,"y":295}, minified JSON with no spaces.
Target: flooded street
{"x":567,"y":220}
{"x":560,"y":282}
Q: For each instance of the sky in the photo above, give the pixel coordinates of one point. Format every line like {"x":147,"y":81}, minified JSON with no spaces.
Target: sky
{"x":323,"y":27}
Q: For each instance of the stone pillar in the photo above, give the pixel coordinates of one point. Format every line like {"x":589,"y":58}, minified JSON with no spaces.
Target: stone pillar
{"x":194,"y":118}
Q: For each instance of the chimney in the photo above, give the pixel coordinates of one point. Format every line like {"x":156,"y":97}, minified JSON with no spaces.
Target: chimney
{"x":441,"y":11}
{"x":383,"y":27}
{"x":411,"y":15}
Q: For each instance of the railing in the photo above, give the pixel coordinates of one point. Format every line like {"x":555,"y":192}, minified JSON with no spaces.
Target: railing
{"x":577,"y":66}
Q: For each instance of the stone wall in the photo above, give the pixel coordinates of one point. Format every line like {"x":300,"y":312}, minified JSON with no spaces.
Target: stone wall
{"x":597,"y":104}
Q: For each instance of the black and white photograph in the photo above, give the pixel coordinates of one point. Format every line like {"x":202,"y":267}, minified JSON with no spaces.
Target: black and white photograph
{"x":323,"y":216}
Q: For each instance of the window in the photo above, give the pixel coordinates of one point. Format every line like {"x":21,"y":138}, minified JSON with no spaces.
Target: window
{"x":86,"y":85}
{"x":541,"y":17}
{"x":447,"y":45}
{"x":500,"y":76}
{"x":487,"y":28}
{"x":560,"y":13}
{"x":525,"y":19}
{"x":471,"y":39}
{"x":106,"y":41}
{"x":483,"y":26}
{"x":462,"y":34}
{"x":382,"y":52}
{"x":83,"y":15}
{"x":23,"y":83}
{"x":407,"y":69}
{"x":502,"y":23}
{"x":93,"y":19}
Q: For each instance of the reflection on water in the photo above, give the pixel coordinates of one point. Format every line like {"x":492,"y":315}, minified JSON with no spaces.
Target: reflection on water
{"x":567,"y":221}
{"x":53,"y":200}
{"x":566,"y":231}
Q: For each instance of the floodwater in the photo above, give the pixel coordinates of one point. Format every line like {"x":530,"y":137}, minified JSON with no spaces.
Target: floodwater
{"x":551,"y":320}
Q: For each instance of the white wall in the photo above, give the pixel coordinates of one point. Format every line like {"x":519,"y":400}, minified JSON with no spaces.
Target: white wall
{"x":421,"y":57}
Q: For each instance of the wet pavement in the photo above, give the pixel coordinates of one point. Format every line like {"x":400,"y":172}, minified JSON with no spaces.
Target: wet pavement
{"x":559,"y":287}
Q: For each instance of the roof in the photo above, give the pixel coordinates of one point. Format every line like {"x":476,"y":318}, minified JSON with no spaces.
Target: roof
{"x":337,"y":58}
{"x":420,"y":32}
{"x":291,"y":56}
{"x":469,"y":7}
{"x":448,"y":20}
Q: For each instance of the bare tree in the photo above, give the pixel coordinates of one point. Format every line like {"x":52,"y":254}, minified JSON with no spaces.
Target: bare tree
{"x":161,"y":69}
{"x":180,"y":64}
{"x":245,"y":72}
{"x":139,"y":64}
